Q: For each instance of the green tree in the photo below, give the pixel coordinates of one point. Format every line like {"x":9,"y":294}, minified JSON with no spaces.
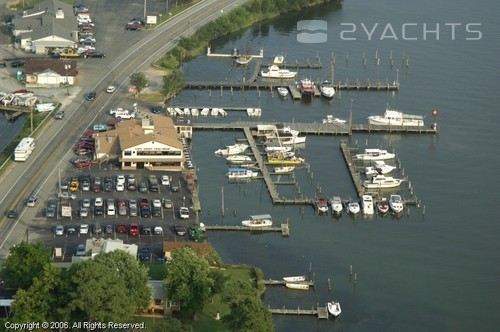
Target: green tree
{"x":188,"y":280}
{"x":42,"y":300}
{"x":110,"y":287}
{"x":170,"y":325}
{"x":26,"y":261}
{"x":246,"y":310}
{"x":139,"y":80}
{"x":172,"y":84}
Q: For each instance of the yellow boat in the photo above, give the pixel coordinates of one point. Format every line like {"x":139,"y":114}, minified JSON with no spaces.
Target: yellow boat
{"x":285,"y":161}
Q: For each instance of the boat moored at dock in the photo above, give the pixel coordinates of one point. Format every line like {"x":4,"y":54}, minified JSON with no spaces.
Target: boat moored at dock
{"x":260,"y":220}
{"x":238,"y":159}
{"x":283,"y":169}
{"x":236,"y":173}
{"x":367,"y":203}
{"x":285,"y":161}
{"x":322,"y":206}
{"x":380,"y":168}
{"x":382,"y":182}
{"x":294,"y":279}
{"x":383,"y":206}
{"x":396,"y":118}
{"x":306,"y":86}
{"x":396,"y":203}
{"x":336,"y":205}
{"x":274,"y":71}
{"x":327,"y":89}
{"x":375,"y":154}
{"x":282,"y":91}
{"x":334,"y":308}
{"x":230,"y":150}
{"x":298,"y":286}
{"x":353,"y":208}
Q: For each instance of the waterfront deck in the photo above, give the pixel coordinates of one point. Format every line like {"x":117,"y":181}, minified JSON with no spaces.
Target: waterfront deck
{"x":284,"y":229}
{"x":321,"y":312}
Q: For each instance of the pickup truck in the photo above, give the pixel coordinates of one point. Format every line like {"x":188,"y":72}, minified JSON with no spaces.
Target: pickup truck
{"x":122,"y":113}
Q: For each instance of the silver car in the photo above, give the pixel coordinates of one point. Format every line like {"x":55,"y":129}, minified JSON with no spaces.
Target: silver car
{"x":59,"y":230}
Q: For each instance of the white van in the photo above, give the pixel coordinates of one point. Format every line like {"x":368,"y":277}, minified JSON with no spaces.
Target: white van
{"x":110,"y":207}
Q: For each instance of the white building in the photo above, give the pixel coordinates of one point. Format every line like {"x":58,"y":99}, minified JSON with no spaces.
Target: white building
{"x":151,"y":143}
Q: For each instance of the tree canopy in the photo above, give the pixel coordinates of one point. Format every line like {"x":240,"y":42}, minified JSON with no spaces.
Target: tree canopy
{"x":139,"y":80}
{"x":172,"y":84}
{"x":188,"y":280}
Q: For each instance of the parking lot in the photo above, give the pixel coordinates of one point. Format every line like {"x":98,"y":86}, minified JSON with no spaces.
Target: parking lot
{"x":94,"y":196}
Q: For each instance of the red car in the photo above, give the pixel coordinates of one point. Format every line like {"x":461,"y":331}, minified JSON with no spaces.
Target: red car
{"x":121,"y":229}
{"x":133,"y":230}
{"x":82,"y":164}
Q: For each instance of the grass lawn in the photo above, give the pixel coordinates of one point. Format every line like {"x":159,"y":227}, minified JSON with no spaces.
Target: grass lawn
{"x":157,"y":271}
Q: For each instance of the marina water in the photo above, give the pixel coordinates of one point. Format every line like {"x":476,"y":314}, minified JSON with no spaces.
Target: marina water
{"x":437,"y":271}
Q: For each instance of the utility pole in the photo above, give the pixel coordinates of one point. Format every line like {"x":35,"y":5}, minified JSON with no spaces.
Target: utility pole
{"x":145,"y":4}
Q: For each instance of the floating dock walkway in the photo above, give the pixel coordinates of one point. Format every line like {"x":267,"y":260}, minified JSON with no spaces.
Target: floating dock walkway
{"x":284,"y":229}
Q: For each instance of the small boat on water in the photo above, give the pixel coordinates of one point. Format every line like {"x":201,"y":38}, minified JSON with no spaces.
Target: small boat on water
{"x":367,"y":203}
{"x":232,"y":149}
{"x":260,"y":220}
{"x":353,"y":207}
{"x":243,"y":60}
{"x":336,"y":205}
{"x":285,"y":161}
{"x":238,"y":159}
{"x":322,"y":206}
{"x":205,"y":111}
{"x":235,"y":173}
{"x":292,"y":285}
{"x":396,"y":203}
{"x":327,"y":89}
{"x":383,"y":206}
{"x":276,"y":147}
{"x":282,"y":91}
{"x":381,"y":182}
{"x":375,"y":154}
{"x":396,"y":118}
{"x":294,"y":279}
{"x":195,"y":112}
{"x":274,"y":71}
{"x":380,"y":168}
{"x":284,"y":169}
{"x":279,"y":59}
{"x":332,"y":120}
{"x":306,"y":87}
{"x":334,"y":309}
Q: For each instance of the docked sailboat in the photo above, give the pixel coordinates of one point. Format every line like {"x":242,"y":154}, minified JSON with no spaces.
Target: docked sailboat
{"x":396,"y":203}
{"x":334,"y":308}
{"x":284,"y":169}
{"x":241,"y":174}
{"x":292,"y":285}
{"x":274,"y":71}
{"x":382,"y":182}
{"x":238,"y":159}
{"x":367,"y":203}
{"x":327,"y":89}
{"x":380,"y":168}
{"x":230,"y":150}
{"x":306,"y":86}
{"x":396,"y":118}
{"x":375,"y":154}
{"x":261,"y":220}
{"x":294,"y":279}
{"x":322,"y":206}
{"x":336,"y":205}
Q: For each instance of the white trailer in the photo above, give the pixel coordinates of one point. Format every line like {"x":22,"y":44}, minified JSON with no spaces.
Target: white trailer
{"x":24,"y":149}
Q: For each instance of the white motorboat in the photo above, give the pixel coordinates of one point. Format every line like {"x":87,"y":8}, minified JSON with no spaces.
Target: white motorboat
{"x":292,"y":140}
{"x":306,"y":86}
{"x":187,"y":111}
{"x":353,"y":207}
{"x":279,"y":59}
{"x":241,"y":174}
{"x":375,"y":154}
{"x":284,"y":169}
{"x":336,"y":205}
{"x":238,"y":159}
{"x":205,"y":111}
{"x":327,"y":89}
{"x":334,"y":309}
{"x":222,"y":112}
{"x":230,"y":150}
{"x":381,"y":182}
{"x":214,"y":112}
{"x":396,"y":203}
{"x":380,"y":168}
{"x":322,"y":206}
{"x":383,"y":206}
{"x":274,"y":71}
{"x":282,"y":91}
{"x":294,"y":279}
{"x":292,"y":285}
{"x":331,"y":119}
{"x":195,"y":112}
{"x":396,"y":118}
{"x":367,"y":203}
{"x":261,"y":220}
{"x":243,"y":60}
{"x":276,"y":147}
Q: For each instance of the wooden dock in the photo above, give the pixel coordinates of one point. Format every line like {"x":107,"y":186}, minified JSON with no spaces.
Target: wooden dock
{"x":321,"y":312}
{"x":284,"y":229}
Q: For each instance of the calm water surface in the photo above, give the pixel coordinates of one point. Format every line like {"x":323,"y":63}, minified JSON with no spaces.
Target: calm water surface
{"x":437,"y":272}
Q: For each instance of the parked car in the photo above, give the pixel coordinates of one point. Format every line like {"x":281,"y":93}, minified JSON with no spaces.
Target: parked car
{"x":133,"y":26}
{"x":121,"y":229}
{"x":80,"y":250}
{"x":95,"y":55}
{"x":143,"y":187}
{"x":110,"y":204}
{"x":120,"y":186}
{"x":59,"y":115}
{"x":84,"y":228}
{"x":167,"y":203}
{"x":146,"y":230}
{"x":82,"y":164}
{"x":108,"y":229}
{"x":51,"y":210}
{"x":184,"y":213}
{"x":145,"y":254}
{"x":165,"y":180}
{"x":86,"y":202}
{"x":156,"y":109}
{"x":122,"y":208}
{"x":174,"y":188}
{"x":180,"y":230}
{"x":59,"y":230}
{"x":66,"y":195}
{"x":133,"y":230}
{"x":71,"y":230}
{"x":17,"y":63}
{"x":158,"y":230}
{"x":84,"y":212}
{"x":98,"y":201}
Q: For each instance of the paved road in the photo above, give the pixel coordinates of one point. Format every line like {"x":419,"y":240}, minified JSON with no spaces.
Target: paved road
{"x":127,"y":52}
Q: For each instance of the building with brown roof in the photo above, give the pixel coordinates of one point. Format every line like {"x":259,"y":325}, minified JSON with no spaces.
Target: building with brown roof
{"x":50,"y":72}
{"x":151,"y":143}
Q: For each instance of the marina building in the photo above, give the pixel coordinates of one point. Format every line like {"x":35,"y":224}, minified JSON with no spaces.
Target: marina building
{"x":152,"y":143}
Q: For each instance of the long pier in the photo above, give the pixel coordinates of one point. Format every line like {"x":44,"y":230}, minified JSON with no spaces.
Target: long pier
{"x":321,"y":312}
{"x":319,"y":128}
{"x":284,"y":229}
